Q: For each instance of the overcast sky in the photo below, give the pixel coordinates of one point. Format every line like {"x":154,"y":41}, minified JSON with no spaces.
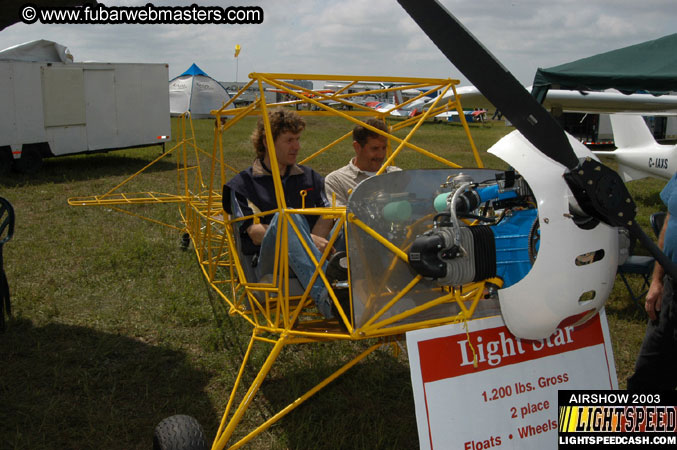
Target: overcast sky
{"x":358,"y":37}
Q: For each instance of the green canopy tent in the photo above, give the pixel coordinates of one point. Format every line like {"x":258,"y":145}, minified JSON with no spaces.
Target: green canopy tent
{"x":650,"y":66}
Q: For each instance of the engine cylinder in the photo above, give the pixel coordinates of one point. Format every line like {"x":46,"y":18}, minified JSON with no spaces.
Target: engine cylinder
{"x":434,"y":254}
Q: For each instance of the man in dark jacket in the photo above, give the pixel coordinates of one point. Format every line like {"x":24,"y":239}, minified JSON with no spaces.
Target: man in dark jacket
{"x":252,"y":192}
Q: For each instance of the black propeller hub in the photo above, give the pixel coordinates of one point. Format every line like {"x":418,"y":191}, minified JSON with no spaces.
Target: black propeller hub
{"x":601,"y":193}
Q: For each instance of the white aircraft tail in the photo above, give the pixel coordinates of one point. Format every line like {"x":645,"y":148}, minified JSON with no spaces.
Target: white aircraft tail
{"x":630,"y":131}
{"x":637,"y":152}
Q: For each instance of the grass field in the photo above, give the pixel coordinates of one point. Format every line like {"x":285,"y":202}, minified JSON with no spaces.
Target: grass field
{"x":114,"y":329}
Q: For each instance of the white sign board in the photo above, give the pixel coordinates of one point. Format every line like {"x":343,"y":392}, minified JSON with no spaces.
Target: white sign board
{"x":509,"y":399}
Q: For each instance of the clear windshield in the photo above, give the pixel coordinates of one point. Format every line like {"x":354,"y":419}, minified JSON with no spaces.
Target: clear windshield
{"x":399,"y":207}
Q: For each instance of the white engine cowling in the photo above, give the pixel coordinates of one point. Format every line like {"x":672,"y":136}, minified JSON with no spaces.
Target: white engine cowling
{"x":562,"y":283}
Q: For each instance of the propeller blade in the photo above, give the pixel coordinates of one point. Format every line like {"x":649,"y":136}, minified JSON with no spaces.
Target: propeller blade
{"x":497,"y":84}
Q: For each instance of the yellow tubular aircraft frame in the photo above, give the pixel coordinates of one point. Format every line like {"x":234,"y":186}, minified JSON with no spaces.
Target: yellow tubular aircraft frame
{"x":279,"y":315}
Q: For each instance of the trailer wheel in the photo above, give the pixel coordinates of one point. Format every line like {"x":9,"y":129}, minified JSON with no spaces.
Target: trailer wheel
{"x":31,"y":159}
{"x":179,"y":433}
{"x":6,"y":160}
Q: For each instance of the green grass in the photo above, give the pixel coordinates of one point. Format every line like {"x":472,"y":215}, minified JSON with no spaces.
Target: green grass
{"x":114,"y":328}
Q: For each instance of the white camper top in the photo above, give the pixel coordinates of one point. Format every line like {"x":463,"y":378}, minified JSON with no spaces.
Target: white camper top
{"x":40,"y":50}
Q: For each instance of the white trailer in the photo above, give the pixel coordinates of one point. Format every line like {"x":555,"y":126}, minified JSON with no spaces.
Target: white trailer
{"x":54,"y":108}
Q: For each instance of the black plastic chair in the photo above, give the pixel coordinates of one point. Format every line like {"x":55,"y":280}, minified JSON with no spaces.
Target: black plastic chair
{"x":657,"y":220}
{"x":637,"y":265}
{"x":641,"y":265}
{"x":6,"y":233}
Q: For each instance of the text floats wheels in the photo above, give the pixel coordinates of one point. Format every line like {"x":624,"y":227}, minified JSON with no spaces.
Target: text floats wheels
{"x":179,"y":433}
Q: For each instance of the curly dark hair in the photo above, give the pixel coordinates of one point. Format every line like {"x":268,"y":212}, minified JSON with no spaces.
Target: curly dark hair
{"x":361,"y":134}
{"x":281,"y":121}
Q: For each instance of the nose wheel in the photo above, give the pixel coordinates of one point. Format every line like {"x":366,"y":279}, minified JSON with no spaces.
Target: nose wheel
{"x":179,"y":433}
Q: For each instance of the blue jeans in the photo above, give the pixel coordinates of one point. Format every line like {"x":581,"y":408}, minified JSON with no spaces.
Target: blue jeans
{"x":299,"y":261}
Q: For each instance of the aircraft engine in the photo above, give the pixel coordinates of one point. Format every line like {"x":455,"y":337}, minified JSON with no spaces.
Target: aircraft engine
{"x":454,"y":253}
{"x":557,"y":264}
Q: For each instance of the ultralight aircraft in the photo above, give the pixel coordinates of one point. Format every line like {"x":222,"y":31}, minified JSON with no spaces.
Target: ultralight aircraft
{"x":425,"y":247}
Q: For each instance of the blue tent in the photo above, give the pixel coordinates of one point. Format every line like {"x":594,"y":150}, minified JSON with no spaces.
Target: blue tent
{"x":196,"y":92}
{"x":194,"y":70}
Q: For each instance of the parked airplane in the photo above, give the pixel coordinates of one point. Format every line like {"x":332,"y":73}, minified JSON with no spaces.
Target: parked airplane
{"x":404,"y":102}
{"x":638,"y":154}
{"x":294,"y":96}
{"x":609,"y":101}
{"x":395,"y":110}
